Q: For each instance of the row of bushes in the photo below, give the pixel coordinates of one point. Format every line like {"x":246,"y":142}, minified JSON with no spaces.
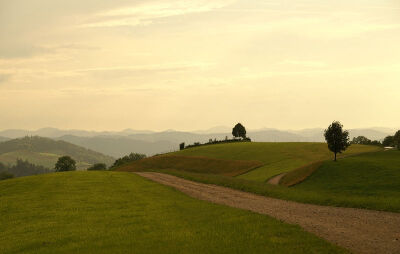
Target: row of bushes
{"x":214,"y":141}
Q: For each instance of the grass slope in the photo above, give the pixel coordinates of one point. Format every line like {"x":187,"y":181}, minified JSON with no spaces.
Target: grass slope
{"x":374,"y":177}
{"x":45,"y":152}
{"x":276,"y":158}
{"x":114,"y":212}
{"x":192,"y":164}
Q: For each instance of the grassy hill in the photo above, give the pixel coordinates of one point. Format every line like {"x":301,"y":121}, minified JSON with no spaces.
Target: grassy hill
{"x":195,"y":164}
{"x":115,"y":212}
{"x":45,"y":152}
{"x":275,"y":158}
{"x":281,"y":157}
{"x":373,"y":176}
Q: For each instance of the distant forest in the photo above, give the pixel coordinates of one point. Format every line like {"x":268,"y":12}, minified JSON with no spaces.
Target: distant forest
{"x":22,"y":168}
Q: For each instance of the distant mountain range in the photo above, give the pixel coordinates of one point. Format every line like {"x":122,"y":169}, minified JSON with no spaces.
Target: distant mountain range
{"x":119,"y":143}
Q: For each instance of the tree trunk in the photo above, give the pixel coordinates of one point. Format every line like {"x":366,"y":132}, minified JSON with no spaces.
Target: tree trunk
{"x":335,"y":156}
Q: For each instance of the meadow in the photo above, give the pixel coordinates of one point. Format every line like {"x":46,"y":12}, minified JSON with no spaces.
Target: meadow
{"x":366,"y":180}
{"x":276,"y":158}
{"x":117,"y":212}
{"x":373,"y":176}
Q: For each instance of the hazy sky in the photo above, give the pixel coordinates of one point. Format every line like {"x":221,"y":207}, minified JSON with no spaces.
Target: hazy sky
{"x":109,"y":65}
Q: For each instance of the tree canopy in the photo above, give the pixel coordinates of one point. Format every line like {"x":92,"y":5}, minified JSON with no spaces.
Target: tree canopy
{"x":396,"y":139}
{"x":128,"y":158}
{"x":239,"y":131}
{"x":98,"y":166}
{"x":337,"y":138}
{"x":65,"y":163}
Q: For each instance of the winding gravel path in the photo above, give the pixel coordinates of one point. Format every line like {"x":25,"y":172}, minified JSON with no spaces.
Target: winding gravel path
{"x":361,"y":231}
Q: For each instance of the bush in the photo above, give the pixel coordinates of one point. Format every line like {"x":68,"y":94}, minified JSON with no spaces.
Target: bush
{"x":128,"y":158}
{"x":5,"y":175}
{"x":65,"y":163}
{"x":98,"y":166}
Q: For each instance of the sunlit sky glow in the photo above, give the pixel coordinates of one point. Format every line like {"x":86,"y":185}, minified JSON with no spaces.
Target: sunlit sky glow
{"x":187,"y":65}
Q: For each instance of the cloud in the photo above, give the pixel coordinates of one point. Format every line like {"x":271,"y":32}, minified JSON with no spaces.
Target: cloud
{"x":314,"y":64}
{"x":146,"y":13}
{"x":4,"y":78}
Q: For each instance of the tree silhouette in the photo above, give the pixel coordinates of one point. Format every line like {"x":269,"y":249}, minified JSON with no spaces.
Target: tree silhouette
{"x":239,"y":131}
{"x":65,"y":163}
{"x":337,"y":138}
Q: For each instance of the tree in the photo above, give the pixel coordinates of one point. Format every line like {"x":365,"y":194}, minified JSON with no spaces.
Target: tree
{"x":337,"y":138}
{"x":65,"y":163}
{"x":397,"y":139}
{"x":239,"y":131}
{"x":388,"y":141}
{"x":5,"y":175}
{"x":361,"y":140}
{"x":98,"y":166}
{"x":128,"y":158}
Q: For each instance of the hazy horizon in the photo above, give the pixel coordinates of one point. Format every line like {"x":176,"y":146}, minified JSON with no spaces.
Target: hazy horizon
{"x":192,"y":130}
{"x":191,"y":65}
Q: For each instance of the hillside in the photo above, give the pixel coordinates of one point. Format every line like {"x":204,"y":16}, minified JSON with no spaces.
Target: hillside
{"x":372,"y":176}
{"x":195,"y":164}
{"x":2,"y":139}
{"x":276,"y":158}
{"x":114,"y":212}
{"x":45,"y":152}
{"x":119,"y":143}
{"x":118,"y":146}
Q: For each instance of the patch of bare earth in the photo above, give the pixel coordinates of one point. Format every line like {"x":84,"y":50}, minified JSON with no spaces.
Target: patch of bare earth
{"x":276,"y":179}
{"x":361,"y":231}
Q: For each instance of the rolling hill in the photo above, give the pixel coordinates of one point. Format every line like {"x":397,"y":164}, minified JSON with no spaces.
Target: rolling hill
{"x":275,"y":158}
{"x":372,"y":176}
{"x":116,"y":212}
{"x":118,"y":146}
{"x":119,"y":143}
{"x":45,"y":152}
{"x":2,"y":139}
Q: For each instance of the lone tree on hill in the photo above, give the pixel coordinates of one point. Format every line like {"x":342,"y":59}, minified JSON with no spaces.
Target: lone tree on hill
{"x":337,"y":138}
{"x":239,"y":131}
{"x":65,"y":163}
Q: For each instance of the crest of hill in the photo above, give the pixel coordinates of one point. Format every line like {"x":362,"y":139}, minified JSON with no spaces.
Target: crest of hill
{"x":196,"y":164}
{"x":269,"y":159}
{"x":45,"y":152}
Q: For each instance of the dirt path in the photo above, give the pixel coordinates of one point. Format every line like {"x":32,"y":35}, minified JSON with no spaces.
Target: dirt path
{"x":361,"y":231}
{"x":276,"y":179}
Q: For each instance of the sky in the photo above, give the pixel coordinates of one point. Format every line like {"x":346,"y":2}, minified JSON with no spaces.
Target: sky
{"x":189,"y":65}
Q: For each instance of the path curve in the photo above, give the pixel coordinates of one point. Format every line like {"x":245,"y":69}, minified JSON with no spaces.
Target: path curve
{"x":276,"y":179}
{"x":361,"y":231}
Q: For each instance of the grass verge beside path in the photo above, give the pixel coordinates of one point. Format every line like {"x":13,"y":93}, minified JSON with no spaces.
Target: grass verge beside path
{"x":116,"y":212}
{"x":382,"y":203}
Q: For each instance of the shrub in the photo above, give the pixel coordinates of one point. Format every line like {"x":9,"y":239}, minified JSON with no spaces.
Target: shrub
{"x":128,"y":158}
{"x":98,"y":166}
{"x":65,"y":163}
{"x":5,"y":175}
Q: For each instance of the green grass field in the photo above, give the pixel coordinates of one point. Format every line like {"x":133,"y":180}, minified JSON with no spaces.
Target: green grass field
{"x":372,"y":176}
{"x":196,"y":164}
{"x":116,"y":212}
{"x":47,"y":160}
{"x":276,"y":158}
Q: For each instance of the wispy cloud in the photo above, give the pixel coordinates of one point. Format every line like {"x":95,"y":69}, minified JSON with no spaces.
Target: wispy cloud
{"x":146,"y":13}
{"x":4,"y":77}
